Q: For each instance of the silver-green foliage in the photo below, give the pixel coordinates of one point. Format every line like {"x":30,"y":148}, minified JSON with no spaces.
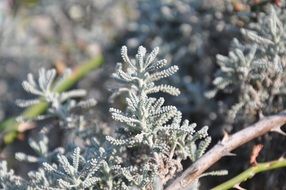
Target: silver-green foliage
{"x":41,"y":146}
{"x":152,"y":139}
{"x":149,"y":125}
{"x":8,"y":180}
{"x":62,"y":105}
{"x":255,"y":70}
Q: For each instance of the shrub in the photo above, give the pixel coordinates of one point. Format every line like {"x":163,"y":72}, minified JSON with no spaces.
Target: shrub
{"x":151,"y":141}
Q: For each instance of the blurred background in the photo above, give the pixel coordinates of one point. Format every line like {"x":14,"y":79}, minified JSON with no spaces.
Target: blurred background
{"x":66,"y":33}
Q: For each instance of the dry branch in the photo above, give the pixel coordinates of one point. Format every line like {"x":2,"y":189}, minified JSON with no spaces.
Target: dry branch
{"x":224,"y":148}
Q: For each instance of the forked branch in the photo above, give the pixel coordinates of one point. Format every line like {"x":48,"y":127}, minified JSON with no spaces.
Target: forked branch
{"x":224,"y":148}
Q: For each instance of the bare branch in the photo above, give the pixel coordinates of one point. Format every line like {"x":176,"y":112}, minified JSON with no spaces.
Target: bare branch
{"x":224,"y":147}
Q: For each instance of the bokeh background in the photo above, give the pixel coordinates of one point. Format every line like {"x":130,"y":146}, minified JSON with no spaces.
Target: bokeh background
{"x":66,"y":33}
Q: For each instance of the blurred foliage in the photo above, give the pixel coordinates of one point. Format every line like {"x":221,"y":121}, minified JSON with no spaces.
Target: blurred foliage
{"x":190,"y":33}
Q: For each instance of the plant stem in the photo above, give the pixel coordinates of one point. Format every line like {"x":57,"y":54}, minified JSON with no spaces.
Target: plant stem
{"x":249,"y":173}
{"x":9,"y":127}
{"x":223,"y":148}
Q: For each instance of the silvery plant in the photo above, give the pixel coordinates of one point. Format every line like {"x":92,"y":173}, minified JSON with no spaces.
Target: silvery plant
{"x":185,"y":31}
{"x":255,"y":68}
{"x":146,"y":152}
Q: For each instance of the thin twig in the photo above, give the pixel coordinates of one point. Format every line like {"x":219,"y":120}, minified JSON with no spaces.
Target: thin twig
{"x":224,"y":148}
{"x":250,"y":172}
{"x":9,"y":127}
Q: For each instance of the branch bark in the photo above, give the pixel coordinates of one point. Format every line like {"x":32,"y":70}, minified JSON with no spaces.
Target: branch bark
{"x":224,"y":148}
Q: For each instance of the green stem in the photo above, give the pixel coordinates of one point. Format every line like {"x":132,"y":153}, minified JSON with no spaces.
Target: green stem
{"x":249,"y":173}
{"x":9,"y":127}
